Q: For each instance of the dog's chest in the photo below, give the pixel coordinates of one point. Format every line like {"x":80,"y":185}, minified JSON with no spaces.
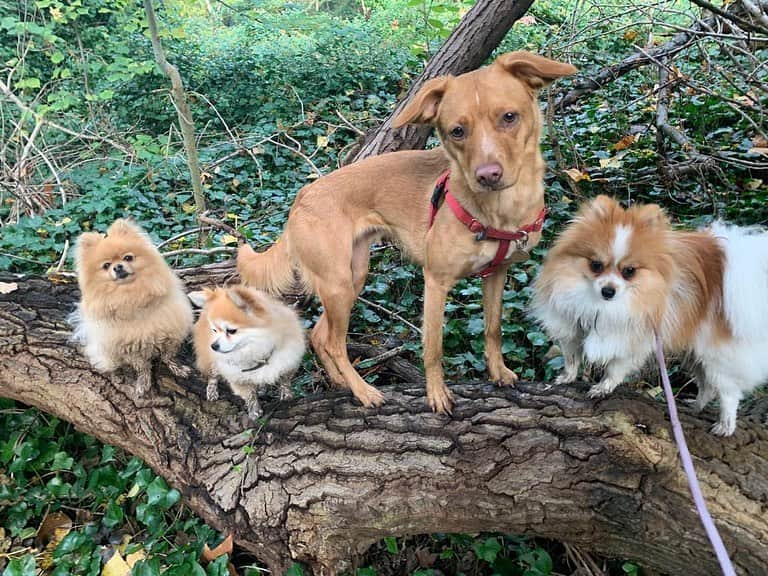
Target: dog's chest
{"x":486,"y":250}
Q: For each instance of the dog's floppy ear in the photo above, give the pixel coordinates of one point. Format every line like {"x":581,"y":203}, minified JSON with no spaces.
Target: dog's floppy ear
{"x":422,"y":109}
{"x":537,"y":71}
{"x":200,"y":297}
{"x":245,"y":299}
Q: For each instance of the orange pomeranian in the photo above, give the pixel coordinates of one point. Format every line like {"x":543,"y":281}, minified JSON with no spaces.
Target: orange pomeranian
{"x":133,"y":308}
{"x":616,"y":277}
{"x":250,"y":340}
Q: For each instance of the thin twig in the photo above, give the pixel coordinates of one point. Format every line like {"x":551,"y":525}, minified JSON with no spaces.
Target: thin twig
{"x":203,"y":251}
{"x":214,"y":223}
{"x":390,"y":313}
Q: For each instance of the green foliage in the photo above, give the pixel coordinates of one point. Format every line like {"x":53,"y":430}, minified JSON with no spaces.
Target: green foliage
{"x":47,"y":467}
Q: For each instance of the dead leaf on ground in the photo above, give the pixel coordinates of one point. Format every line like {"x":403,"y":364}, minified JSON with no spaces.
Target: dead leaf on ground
{"x":116,"y":566}
{"x":8,"y":287}
{"x":625,"y":142}
{"x":49,"y":526}
{"x":225,"y":547}
{"x":756,"y":150}
{"x":576,"y":175}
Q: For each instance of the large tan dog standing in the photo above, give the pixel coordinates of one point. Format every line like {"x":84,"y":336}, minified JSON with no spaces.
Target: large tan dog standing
{"x":489,"y":124}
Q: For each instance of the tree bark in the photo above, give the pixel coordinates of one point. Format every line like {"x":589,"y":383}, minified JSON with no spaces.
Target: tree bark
{"x":471,"y":43}
{"x":324,"y":478}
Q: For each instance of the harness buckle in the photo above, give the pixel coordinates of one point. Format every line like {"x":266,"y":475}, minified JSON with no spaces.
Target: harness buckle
{"x":477,"y":227}
{"x":522,"y":242}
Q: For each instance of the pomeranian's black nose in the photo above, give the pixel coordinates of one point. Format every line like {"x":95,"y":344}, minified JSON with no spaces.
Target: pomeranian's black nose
{"x":608,"y":292}
{"x":215,"y":346}
{"x":120,"y":271}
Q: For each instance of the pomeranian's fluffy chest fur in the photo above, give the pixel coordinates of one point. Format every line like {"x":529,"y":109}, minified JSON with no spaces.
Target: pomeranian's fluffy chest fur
{"x":615,"y":278}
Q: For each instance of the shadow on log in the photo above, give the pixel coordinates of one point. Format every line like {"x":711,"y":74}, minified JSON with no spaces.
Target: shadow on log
{"x":324,"y":478}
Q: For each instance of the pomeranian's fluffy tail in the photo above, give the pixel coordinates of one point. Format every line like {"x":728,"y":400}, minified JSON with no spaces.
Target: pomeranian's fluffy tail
{"x":271,"y":271}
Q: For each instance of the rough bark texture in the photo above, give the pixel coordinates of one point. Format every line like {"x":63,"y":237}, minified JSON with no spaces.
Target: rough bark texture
{"x":481,"y":29}
{"x":326,"y":478}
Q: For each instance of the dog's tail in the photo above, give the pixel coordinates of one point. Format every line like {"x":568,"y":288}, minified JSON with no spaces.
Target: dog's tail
{"x":271,"y":270}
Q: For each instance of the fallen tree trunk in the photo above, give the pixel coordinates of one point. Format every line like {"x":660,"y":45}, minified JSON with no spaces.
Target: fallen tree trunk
{"x":324,"y":478}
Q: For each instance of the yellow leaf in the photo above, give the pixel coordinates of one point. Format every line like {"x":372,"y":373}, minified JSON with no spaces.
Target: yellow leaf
{"x":577,"y":175}
{"x":630,"y":35}
{"x":235,"y":182}
{"x":188,"y":208}
{"x":116,"y":566}
{"x":228,"y":239}
{"x":322,"y":141}
{"x":753,"y":184}
{"x":8,"y":287}
{"x":613,"y":162}
{"x":131,"y":559}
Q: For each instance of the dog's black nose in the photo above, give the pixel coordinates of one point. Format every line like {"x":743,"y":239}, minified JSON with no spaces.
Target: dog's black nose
{"x":489,"y":174}
{"x":118,"y":268}
{"x":608,"y":292}
{"x":215,"y":346}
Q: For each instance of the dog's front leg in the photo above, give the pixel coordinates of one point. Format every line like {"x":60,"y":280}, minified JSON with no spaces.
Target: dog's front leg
{"x":435,"y":292}
{"x":493,"y":289}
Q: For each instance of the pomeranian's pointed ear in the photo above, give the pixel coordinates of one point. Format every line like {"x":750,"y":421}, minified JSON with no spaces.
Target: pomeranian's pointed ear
{"x":124,"y":226}
{"x":200,"y":297}
{"x":88,"y":240}
{"x":423,"y":107}
{"x":536,"y":71}
{"x":245,"y":299}
{"x":601,"y":206}
{"x":650,"y":215}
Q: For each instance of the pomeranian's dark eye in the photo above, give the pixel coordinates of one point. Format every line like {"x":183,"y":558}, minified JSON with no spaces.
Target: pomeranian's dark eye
{"x":231,"y":331}
{"x":106,"y":265}
{"x":457,"y":132}
{"x":596,"y":266}
{"x":510,"y":117}
{"x":128,"y":257}
{"x":628,"y":272}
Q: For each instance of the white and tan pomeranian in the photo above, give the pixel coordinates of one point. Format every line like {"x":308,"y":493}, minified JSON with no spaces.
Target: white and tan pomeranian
{"x":616,"y":276}
{"x":248,"y":339}
{"x":133,"y":308}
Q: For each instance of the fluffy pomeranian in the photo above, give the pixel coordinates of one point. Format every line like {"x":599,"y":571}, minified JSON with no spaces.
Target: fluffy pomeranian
{"x":133,"y":308}
{"x":250,"y":340}
{"x":614,"y":277}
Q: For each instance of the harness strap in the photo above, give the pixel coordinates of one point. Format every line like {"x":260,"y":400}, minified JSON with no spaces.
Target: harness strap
{"x":481,"y":231}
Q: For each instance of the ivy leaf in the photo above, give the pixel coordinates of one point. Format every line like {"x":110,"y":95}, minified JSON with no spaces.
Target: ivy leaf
{"x":487,"y":550}
{"x":24,"y":566}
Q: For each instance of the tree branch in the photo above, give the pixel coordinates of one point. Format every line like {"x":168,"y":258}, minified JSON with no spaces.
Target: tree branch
{"x":325,"y":478}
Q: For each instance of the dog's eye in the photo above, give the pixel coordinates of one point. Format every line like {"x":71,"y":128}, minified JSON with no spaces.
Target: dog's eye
{"x":596,"y":266}
{"x":106,"y":265}
{"x":128,"y":257}
{"x":628,"y":272}
{"x":510,"y":117}
{"x":457,"y":132}
{"x":231,"y":331}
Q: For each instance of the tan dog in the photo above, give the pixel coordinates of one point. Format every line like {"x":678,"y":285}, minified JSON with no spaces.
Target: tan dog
{"x":489,"y":122}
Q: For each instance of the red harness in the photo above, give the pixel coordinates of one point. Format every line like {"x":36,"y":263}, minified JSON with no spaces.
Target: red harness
{"x":481,"y":232}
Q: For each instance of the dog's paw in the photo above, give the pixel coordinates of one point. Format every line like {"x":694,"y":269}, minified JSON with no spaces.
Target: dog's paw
{"x":440,"y":400}
{"x":179,"y":370}
{"x":565,"y":377}
{"x":254,"y":410}
{"x":212,"y":392}
{"x":506,"y":378}
{"x":369,"y":396}
{"x":600,"y":390}
{"x":723,"y":429}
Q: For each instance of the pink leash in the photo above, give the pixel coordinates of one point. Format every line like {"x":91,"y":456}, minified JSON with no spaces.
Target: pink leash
{"x":693,"y":483}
